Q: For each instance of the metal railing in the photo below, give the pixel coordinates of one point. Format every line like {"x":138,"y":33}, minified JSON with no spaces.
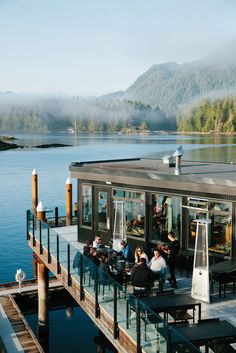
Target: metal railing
{"x":147,"y":328}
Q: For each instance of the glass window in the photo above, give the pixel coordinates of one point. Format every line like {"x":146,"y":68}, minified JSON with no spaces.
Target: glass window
{"x":102,"y":210}
{"x":86,"y":195}
{"x":219,"y":233}
{"x":165,"y":216}
{"x":134,"y":208}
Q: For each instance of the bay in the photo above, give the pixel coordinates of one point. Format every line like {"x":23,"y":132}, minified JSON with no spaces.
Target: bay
{"x":52,"y":166}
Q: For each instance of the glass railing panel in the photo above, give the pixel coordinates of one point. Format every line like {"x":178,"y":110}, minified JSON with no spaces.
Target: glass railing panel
{"x":180,"y":343}
{"x":44,"y":235}
{"x":89,"y":275}
{"x":53,"y":242}
{"x":105,"y":286}
{"x":75,"y":256}
{"x":30,"y":221}
{"x":153,"y":330}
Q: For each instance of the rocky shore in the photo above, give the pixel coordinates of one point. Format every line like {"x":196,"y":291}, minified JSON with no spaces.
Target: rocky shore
{"x":6,"y":144}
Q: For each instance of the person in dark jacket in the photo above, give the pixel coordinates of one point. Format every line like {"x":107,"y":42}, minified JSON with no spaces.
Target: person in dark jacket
{"x":173,"y":250}
{"x":141,"y":275}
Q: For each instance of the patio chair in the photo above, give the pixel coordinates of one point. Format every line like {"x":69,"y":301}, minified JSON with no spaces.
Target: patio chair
{"x":223,"y":279}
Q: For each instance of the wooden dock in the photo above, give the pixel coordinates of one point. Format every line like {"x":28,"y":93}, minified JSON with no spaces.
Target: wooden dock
{"x":16,"y":334}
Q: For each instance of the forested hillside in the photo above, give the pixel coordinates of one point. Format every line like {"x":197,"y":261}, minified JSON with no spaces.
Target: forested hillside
{"x":172,"y":86}
{"x":210,"y":116}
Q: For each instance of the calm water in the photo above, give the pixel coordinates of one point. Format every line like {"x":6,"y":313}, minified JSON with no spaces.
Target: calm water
{"x":52,"y":166}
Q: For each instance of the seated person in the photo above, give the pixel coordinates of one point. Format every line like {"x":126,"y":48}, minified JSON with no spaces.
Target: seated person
{"x":139,"y":253}
{"x":104,"y":272}
{"x":94,"y":262}
{"x":126,"y":251}
{"x":97,"y":243}
{"x":138,"y":222}
{"x":141,"y":275}
{"x":158,"y":265}
{"x":87,"y":248}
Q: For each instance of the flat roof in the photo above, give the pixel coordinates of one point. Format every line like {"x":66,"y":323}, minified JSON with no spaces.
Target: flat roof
{"x":203,"y":177}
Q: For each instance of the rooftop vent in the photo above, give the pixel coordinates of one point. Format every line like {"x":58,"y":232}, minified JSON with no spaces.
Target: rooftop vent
{"x":169,"y":160}
{"x":178,"y":154}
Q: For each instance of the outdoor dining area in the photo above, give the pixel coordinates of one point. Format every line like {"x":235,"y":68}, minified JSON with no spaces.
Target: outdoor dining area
{"x":174,"y":312}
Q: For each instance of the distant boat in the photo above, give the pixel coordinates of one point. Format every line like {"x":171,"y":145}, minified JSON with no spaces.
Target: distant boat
{"x":72,"y":130}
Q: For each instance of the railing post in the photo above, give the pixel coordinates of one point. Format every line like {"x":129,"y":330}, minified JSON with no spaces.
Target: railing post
{"x":34,"y":242}
{"x":40,"y":238}
{"x":48,"y":236}
{"x":170,"y":346}
{"x":138,"y":331}
{"x":97,"y":310}
{"x":115,"y":328}
{"x":56,"y":216}
{"x":68,"y":265}
{"x":58,"y":261}
{"x":81,"y":271}
{"x":27,"y":224}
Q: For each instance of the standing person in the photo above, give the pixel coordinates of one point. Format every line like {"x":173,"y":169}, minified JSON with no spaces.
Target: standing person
{"x":173,"y":250}
{"x":139,"y":254}
{"x":158,"y":265}
{"x":126,"y":251}
{"x":75,"y":209}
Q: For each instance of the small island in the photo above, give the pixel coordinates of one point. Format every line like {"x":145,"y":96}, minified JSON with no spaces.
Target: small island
{"x":6,"y":145}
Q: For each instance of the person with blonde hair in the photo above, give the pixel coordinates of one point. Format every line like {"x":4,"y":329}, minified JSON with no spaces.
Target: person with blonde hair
{"x":139,"y":254}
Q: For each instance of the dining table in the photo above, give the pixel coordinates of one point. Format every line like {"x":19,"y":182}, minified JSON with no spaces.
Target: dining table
{"x":169,"y":303}
{"x":211,"y":333}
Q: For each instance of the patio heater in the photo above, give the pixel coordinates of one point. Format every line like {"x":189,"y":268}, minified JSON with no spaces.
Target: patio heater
{"x":119,"y":232}
{"x":200,"y":280}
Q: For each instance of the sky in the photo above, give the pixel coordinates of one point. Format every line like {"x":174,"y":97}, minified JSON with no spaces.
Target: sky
{"x":95,"y":47}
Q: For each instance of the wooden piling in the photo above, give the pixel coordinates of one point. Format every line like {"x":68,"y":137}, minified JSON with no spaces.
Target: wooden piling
{"x":68,"y":202}
{"x":40,"y":212}
{"x":34,"y":190}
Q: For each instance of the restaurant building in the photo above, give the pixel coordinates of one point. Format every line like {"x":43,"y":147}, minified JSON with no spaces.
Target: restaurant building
{"x":155,"y":197}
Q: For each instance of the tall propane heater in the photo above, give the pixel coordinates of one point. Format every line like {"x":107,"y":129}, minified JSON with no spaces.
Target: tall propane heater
{"x":200,"y":280}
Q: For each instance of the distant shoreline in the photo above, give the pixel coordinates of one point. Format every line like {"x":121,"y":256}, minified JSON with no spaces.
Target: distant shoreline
{"x":6,"y":145}
{"x":6,"y":141}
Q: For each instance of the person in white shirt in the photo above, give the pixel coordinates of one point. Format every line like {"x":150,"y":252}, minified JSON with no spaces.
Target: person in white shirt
{"x":158,"y":265}
{"x":97,"y":243}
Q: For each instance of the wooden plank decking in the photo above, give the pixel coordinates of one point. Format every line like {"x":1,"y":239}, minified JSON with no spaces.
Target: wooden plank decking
{"x":24,"y":339}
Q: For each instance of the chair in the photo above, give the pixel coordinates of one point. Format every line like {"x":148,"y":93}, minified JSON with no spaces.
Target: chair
{"x":141,"y":291}
{"x":180,"y":316}
{"x":223,"y":279}
{"x":150,"y":318}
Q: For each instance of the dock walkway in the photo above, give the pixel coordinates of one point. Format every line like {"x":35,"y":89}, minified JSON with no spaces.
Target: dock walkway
{"x":16,"y":335}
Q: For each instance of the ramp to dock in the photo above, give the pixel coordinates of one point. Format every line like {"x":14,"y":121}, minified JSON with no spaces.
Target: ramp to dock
{"x":16,"y":335}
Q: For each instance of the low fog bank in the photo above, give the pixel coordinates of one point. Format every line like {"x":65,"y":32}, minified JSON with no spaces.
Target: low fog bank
{"x":58,"y":113}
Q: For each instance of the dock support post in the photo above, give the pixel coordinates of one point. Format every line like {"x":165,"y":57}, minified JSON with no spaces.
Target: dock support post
{"x":101,"y":348}
{"x":34,"y":190}
{"x":68,"y":202}
{"x":41,"y":214}
{"x":43,"y":317}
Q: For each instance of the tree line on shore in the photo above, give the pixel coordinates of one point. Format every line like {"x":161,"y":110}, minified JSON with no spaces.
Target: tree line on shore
{"x":218,"y":116}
